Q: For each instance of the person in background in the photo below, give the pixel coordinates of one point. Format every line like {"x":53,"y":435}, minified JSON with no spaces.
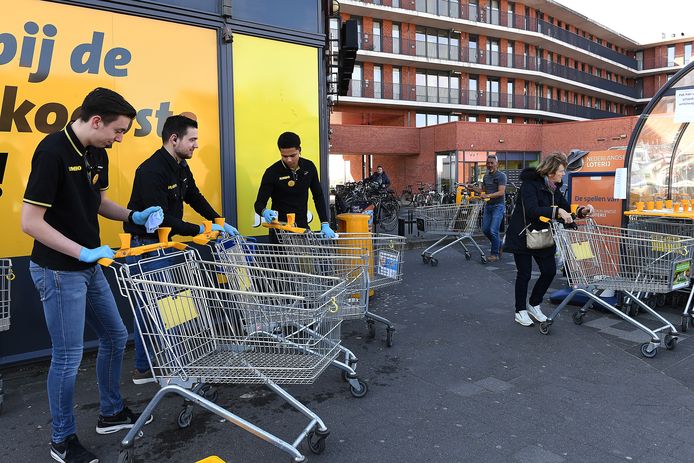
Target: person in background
{"x":539,"y":196}
{"x":65,"y":195}
{"x":287,"y":183}
{"x":380,"y":178}
{"x":494,"y":190}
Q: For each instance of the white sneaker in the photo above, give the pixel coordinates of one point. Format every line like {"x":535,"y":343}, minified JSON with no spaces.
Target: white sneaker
{"x":536,"y":313}
{"x":523,"y":318}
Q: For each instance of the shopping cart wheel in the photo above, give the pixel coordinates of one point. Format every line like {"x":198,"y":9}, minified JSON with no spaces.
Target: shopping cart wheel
{"x":433,"y":261}
{"x":389,"y":336}
{"x":425,"y":258}
{"x":468,"y":256}
{"x":670,"y":342}
{"x":209,"y":392}
{"x":483,"y":259}
{"x":578,"y":317}
{"x":648,"y":353}
{"x":661,"y":300}
{"x":359,"y":391}
{"x":185,"y":417}
{"x":684,"y":324}
{"x":316,"y":441}
{"x":371,"y":325}
{"x":126,"y":456}
{"x":544,"y":327}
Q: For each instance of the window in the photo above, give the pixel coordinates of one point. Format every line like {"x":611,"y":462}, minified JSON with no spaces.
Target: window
{"x":395,"y":3}
{"x":473,"y":10}
{"x":421,"y":120}
{"x":493,"y":119}
{"x":493,"y":91}
{"x":472,"y":118}
{"x":472,"y":90}
{"x":421,"y":39}
{"x":378,"y":81}
{"x":687,"y":53}
{"x":510,"y":20}
{"x":376,"y":39}
{"x":396,"y":38}
{"x":670,"y":55}
{"x":473,"y":48}
{"x":356,"y":80}
{"x":639,"y":60}
{"x":493,"y":51}
{"x":443,"y":46}
{"x":494,"y":11}
{"x":396,"y":83}
{"x":510,"y":53}
{"x":509,"y":120}
{"x":509,"y":93}
{"x":360,"y":31}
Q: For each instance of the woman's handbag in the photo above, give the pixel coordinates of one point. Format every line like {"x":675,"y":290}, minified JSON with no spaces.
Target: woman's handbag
{"x":536,"y":239}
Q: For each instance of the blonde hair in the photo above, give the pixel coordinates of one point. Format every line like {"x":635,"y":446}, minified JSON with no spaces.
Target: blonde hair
{"x":551,"y":164}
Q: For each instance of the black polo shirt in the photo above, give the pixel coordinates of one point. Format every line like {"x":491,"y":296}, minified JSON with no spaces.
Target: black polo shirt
{"x":161,"y":181}
{"x":67,"y":179}
{"x":289,"y":191}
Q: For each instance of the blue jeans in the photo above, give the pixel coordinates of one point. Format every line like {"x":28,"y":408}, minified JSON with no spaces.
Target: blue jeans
{"x":71,"y":298}
{"x":491,"y":223}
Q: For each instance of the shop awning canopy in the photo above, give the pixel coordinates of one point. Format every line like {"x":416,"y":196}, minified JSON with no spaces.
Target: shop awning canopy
{"x":660,"y":155}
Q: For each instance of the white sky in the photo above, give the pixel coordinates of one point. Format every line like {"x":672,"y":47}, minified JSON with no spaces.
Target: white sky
{"x":640,"y":20}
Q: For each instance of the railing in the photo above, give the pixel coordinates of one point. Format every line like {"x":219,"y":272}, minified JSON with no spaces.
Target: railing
{"x":430,"y":94}
{"x":462,"y":10}
{"x":453,"y":52}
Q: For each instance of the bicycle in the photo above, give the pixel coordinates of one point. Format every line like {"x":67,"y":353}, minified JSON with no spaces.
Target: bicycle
{"x":406,"y":197}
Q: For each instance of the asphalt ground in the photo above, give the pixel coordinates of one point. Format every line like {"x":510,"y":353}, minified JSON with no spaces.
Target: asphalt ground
{"x":462,"y":383}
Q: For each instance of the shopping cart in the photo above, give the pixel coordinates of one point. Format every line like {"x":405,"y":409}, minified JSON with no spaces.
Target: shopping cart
{"x":681,"y":226}
{"x":6,"y":277}
{"x":449,"y":220}
{"x":348,"y":264}
{"x":598,"y":257}
{"x":210,"y":322}
{"x":385,"y":259}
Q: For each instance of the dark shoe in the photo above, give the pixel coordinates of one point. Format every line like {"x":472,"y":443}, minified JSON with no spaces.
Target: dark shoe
{"x":71,"y":451}
{"x":123,"y":420}
{"x":142,"y":378}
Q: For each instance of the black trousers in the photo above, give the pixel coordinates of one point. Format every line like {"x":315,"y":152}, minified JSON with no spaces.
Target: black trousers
{"x":524,"y":266}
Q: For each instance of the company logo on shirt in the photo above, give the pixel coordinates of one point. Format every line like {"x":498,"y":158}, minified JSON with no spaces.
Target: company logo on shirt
{"x":171,"y":187}
{"x":74,"y":168}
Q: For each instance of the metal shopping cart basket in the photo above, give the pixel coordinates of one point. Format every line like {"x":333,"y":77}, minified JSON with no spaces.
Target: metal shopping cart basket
{"x":673,"y":225}
{"x":385,"y":259}
{"x":450,"y":220}
{"x":6,"y":277}
{"x":348,"y":264}
{"x":598,"y":257}
{"x":211,"y":322}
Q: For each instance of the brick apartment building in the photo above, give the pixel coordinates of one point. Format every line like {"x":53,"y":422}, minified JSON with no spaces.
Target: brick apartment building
{"x":438,"y":84}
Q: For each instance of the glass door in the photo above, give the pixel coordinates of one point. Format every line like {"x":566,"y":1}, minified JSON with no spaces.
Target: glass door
{"x":446,"y":172}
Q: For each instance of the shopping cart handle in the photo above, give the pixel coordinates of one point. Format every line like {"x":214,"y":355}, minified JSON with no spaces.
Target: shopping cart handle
{"x":126,"y":251}
{"x":289,"y":226}
{"x":545,"y":219}
{"x":105,"y":262}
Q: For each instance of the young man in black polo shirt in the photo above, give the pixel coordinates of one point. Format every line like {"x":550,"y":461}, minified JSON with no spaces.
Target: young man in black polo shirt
{"x":165,"y":180}
{"x":65,"y":194}
{"x":287,"y":183}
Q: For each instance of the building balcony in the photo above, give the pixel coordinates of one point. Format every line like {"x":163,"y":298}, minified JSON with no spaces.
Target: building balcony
{"x":477,"y":101}
{"x":453,"y":9}
{"x":452,"y":52}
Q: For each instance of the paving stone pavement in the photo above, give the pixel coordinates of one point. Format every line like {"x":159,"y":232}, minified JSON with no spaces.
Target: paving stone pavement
{"x":462,"y":383}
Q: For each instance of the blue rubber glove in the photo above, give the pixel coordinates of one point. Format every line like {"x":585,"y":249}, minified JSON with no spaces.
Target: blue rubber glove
{"x":231,"y":231}
{"x":215,"y":227}
{"x":92,"y":255}
{"x":327,"y":231}
{"x":140,"y":218}
{"x":269,"y":215}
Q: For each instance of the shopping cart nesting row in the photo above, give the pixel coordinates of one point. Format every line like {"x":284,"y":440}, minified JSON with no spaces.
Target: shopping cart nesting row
{"x":213,"y":322}
{"x":6,"y":277}
{"x":459,"y":221}
{"x":681,"y":226}
{"x":385,"y":259}
{"x":599,"y":257}
{"x":348,"y":264}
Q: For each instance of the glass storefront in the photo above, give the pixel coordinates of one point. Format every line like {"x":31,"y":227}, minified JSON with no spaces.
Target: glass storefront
{"x":470,"y":166}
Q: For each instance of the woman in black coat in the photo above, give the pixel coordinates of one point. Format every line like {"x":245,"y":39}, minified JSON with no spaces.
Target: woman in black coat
{"x":539,"y":196}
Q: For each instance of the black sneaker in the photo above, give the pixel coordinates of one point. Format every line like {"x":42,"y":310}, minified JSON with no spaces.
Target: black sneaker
{"x":123,"y":420}
{"x":71,"y":451}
